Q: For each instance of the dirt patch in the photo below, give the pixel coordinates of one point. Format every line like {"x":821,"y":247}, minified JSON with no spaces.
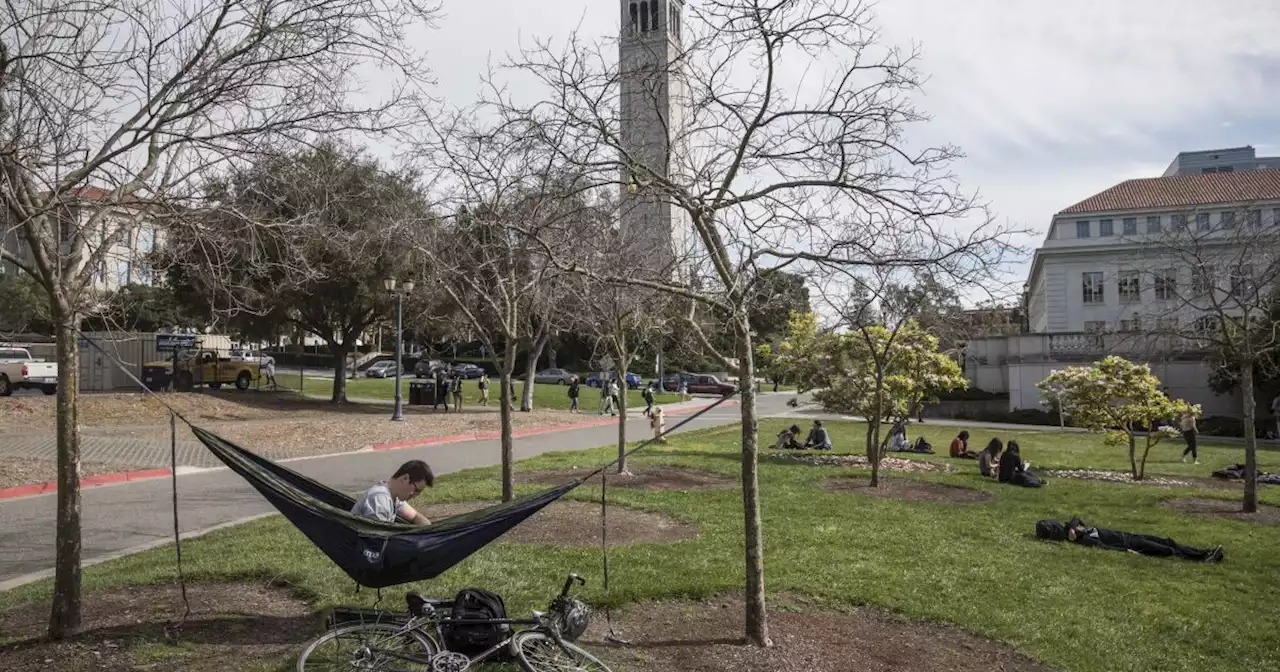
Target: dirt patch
{"x":231,"y":626}
{"x":573,"y":524}
{"x":829,"y":460}
{"x":904,"y":488}
{"x":1223,"y":508}
{"x":23,"y":470}
{"x":707,"y":637}
{"x":649,"y":477}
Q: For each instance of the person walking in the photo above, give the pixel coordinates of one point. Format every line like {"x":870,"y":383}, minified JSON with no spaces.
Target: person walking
{"x":574,"y":391}
{"x":483,"y":384}
{"x":269,"y":369}
{"x":1188,"y":426}
{"x":615,"y":404}
{"x":648,"y":400}
{"x":457,"y":392}
{"x":684,"y":390}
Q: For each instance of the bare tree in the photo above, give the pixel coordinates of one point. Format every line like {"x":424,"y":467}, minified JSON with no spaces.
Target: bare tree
{"x":107,"y":108}
{"x":503,"y":290}
{"x":1212,"y":275}
{"x":739,"y":167}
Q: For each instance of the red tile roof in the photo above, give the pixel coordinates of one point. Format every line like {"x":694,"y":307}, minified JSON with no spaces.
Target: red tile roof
{"x":1184,"y":191}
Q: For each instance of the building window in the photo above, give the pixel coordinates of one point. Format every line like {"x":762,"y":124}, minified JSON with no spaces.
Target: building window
{"x":1153,"y":224}
{"x":1131,"y":325}
{"x":1166,"y":324}
{"x":644,"y":17}
{"x":1082,"y":228}
{"x":1242,"y":281}
{"x":1255,"y":219}
{"x":1166,"y":284}
{"x":1092,"y":287}
{"x":1202,"y":221}
{"x":1228,"y":220}
{"x":1105,"y":228}
{"x":1130,"y":287}
{"x":1095,"y":326}
{"x":1131,"y":226}
{"x":653,"y":14}
{"x":1177,"y":222}
{"x":122,"y":272}
{"x":1275,"y":217}
{"x":1205,"y":325}
{"x":635,"y":18}
{"x":146,"y":240}
{"x":1202,"y":280}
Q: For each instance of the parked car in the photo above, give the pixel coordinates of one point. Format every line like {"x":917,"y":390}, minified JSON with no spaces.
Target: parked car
{"x":384,"y":369}
{"x":468,"y":371}
{"x":634,"y":381}
{"x":242,"y":355}
{"x":671,"y":382}
{"x":708,"y":384}
{"x":552,"y":377}
{"x":19,"y":370}
{"x":425,"y":368}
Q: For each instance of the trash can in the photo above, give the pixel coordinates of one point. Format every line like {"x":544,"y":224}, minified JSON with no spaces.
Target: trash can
{"x":422,"y":392}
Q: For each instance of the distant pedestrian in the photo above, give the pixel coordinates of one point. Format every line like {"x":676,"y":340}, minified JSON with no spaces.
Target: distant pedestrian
{"x":457,"y":393}
{"x":483,"y":384}
{"x":1189,"y":430}
{"x":574,"y":391}
{"x":604,"y":396}
{"x":442,"y":392}
{"x":269,"y":368}
{"x":684,"y":390}
{"x":648,"y":400}
{"x":1275,"y":413}
{"x":615,"y":403}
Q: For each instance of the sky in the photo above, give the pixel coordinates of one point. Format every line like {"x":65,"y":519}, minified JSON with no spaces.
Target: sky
{"x":1050,"y":102}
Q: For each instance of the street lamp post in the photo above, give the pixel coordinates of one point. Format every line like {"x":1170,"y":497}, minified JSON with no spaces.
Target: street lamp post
{"x":399,"y":292}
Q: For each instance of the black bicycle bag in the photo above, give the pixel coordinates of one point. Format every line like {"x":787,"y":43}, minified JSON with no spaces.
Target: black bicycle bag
{"x":476,"y":604}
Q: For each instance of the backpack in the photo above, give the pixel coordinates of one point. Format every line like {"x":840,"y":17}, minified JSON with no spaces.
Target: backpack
{"x":476,"y":603}
{"x":1051,"y":530}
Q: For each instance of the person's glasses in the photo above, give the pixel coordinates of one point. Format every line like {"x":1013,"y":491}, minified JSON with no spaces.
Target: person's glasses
{"x":418,"y":487}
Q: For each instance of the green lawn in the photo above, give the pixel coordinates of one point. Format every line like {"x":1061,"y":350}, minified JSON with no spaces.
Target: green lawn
{"x":977,"y":565}
{"x":544,"y":395}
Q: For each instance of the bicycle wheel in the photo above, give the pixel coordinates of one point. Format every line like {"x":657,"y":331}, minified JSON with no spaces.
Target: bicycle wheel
{"x":368,"y":646}
{"x":538,"y":652}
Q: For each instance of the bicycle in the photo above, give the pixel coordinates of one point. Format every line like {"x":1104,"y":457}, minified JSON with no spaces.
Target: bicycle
{"x":418,"y":643}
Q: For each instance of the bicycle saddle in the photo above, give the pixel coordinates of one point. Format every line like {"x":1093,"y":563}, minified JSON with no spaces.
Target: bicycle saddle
{"x":418,"y":603}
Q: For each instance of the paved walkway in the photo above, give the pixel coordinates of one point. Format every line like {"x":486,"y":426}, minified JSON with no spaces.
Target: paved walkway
{"x":125,"y":518}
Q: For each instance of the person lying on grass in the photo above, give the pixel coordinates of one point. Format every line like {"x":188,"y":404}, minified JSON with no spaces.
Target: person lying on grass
{"x":387,"y":499}
{"x":989,"y":458}
{"x":818,"y":438}
{"x":960,"y":446}
{"x":1080,"y":532}
{"x":1014,"y":471}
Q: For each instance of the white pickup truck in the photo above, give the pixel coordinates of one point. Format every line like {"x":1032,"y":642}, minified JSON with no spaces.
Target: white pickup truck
{"x":18,"y":370}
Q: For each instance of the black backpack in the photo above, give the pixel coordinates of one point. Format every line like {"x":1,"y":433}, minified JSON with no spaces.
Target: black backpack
{"x":476,"y":603}
{"x":1051,"y":530}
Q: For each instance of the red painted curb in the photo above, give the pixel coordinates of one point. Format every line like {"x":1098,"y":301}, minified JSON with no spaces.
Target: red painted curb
{"x":87,"y":482}
{"x":531,"y":431}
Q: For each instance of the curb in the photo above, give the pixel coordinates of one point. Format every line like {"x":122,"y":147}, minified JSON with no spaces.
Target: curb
{"x":162,"y":472}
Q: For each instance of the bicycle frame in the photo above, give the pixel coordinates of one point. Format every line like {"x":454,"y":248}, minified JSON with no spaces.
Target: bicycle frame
{"x":415,"y":624}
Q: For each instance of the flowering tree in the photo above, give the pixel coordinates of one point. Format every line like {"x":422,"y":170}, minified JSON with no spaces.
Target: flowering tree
{"x":803,"y":355}
{"x":880,"y":373}
{"x":1120,"y":398}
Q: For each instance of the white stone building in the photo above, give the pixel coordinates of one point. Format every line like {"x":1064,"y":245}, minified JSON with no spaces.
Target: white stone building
{"x":1113,"y":269}
{"x":654,"y":127}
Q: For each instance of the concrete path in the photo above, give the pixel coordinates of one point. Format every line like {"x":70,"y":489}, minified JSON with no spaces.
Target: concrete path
{"x":126,"y":518}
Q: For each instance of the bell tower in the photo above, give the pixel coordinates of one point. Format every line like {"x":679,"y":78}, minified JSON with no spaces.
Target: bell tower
{"x":653,"y":106}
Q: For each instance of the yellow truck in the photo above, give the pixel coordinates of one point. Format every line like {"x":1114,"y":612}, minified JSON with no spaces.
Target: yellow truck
{"x":200,"y":367}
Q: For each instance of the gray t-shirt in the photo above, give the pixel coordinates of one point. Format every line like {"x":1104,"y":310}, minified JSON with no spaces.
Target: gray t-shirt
{"x":377,"y":502}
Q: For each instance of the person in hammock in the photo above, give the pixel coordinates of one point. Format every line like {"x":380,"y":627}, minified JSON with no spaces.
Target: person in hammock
{"x":387,"y":499}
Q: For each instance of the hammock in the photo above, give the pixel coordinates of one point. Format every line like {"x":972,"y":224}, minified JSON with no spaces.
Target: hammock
{"x":374,"y":553}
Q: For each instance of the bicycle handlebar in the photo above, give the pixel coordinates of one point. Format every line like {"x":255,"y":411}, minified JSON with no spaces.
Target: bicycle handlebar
{"x":568,"y":583}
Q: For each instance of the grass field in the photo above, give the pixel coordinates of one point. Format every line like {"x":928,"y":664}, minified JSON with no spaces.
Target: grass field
{"x":975,"y":565}
{"x":544,"y":395}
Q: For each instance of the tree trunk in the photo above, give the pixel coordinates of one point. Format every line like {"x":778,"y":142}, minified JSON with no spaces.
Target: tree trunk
{"x":339,"y":395}
{"x":757,"y":624}
{"x":873,"y":429}
{"x":871,"y":451}
{"x":530,"y":368}
{"x":624,"y":358}
{"x":1146,"y":450}
{"x":1250,"y":440}
{"x":551,"y":354}
{"x":508,"y":448}
{"x":64,"y":619}
{"x":1133,"y":461}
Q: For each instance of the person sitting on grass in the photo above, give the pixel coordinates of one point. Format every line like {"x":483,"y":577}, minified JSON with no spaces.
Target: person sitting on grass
{"x":1077,"y":531}
{"x":818,"y":438}
{"x":960,"y":446}
{"x":387,"y":499}
{"x":787,"y":439}
{"x":1014,"y":471}
{"x":989,"y":458}
{"x":898,"y":437}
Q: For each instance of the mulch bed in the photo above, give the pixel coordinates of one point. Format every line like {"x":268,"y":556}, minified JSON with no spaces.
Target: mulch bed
{"x":649,"y":477}
{"x":1120,"y":477}
{"x":831,"y":460}
{"x":707,"y":636}
{"x":232,"y":626}
{"x":1223,"y":508}
{"x":575,"y":524}
{"x":904,"y":488}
